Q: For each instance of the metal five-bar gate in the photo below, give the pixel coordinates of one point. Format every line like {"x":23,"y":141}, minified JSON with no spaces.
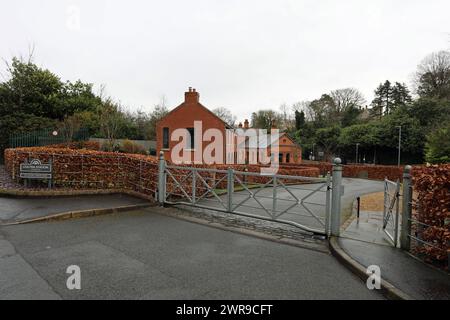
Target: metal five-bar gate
{"x":391,"y":211}
{"x":311,"y":204}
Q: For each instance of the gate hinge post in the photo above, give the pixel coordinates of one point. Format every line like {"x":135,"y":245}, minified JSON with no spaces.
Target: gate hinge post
{"x":328,"y":205}
{"x":336,"y":195}
{"x":161,"y":179}
{"x":405,"y":241}
{"x":230,"y":189}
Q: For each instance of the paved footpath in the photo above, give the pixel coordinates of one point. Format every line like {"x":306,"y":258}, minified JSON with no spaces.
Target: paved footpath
{"x":406,"y":273}
{"x":146,"y":254}
{"x":19,"y":209}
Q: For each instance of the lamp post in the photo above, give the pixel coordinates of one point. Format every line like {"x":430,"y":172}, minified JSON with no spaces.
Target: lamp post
{"x":357,"y":147}
{"x":399,"y":143}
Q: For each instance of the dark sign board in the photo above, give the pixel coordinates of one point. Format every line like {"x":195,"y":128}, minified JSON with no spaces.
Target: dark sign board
{"x":35,"y":175}
{"x":43,"y":168}
{"x":35,"y":169}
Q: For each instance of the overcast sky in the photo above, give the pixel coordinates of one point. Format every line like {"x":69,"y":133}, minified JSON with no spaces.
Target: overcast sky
{"x":243,"y":55}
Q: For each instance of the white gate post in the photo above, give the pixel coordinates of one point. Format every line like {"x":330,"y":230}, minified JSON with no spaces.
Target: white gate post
{"x":336,"y":193}
{"x":405,"y":241}
{"x":161,"y":179}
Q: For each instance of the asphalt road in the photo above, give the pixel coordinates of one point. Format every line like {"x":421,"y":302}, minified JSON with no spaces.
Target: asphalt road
{"x":148,"y":255}
{"x":311,"y":213}
{"x":19,"y":209}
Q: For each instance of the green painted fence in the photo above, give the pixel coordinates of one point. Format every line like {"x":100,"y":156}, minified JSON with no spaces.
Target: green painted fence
{"x":44,"y":138}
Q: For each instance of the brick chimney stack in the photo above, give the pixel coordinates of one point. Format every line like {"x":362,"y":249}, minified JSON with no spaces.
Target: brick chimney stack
{"x":246,"y":124}
{"x":191,"y":96}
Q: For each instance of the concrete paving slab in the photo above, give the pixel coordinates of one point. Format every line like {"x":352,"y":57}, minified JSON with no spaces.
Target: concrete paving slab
{"x":368,"y":228}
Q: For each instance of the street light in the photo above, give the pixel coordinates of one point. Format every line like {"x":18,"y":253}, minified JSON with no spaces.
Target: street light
{"x":399,"y":143}
{"x":357,"y":147}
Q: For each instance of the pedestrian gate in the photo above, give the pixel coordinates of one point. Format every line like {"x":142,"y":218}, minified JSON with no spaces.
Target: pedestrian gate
{"x":391,"y":211}
{"x":304,"y":202}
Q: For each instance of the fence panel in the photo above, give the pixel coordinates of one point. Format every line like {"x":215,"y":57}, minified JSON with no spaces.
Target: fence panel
{"x":45,"y":137}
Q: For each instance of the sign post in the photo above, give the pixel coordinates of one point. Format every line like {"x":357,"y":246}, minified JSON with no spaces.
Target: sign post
{"x":36,"y":170}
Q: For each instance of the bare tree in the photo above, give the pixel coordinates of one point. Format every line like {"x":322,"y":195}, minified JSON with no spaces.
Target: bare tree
{"x":304,"y":106}
{"x":225,"y":115}
{"x":331,"y":107}
{"x":287,"y":121}
{"x":110,"y":122}
{"x":69,"y":126}
{"x":322,"y":110}
{"x":432,"y":78}
{"x":347,"y":98}
{"x":265,"y":119}
{"x":159,"y":111}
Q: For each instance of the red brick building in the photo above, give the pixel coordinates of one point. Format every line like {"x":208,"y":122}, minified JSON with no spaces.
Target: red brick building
{"x":184,"y":116}
{"x":191,"y":110}
{"x":289,"y":151}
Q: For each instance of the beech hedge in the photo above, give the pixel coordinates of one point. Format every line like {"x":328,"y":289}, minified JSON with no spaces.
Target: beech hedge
{"x":431,"y":210}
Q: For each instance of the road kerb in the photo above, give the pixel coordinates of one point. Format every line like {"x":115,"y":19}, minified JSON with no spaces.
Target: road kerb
{"x":387,"y":289}
{"x":80,"y":214}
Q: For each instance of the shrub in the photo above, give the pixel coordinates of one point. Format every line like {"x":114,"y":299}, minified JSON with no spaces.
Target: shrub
{"x":88,"y":145}
{"x":109,"y":146}
{"x":432,"y":211}
{"x":129,"y":146}
{"x":79,"y":169}
{"x":438,"y":146}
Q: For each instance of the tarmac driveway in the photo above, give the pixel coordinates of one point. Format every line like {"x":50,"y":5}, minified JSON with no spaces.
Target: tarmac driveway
{"x":149,"y":255}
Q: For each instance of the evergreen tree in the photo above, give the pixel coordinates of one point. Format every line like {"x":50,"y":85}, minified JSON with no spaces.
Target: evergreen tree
{"x":382,"y":102}
{"x":299,"y":119}
{"x":400,"y":95}
{"x":388,"y":97}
